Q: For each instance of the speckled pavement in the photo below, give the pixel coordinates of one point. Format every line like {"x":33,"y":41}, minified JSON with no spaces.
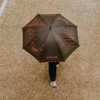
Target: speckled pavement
{"x":22,"y":77}
{"x":1,"y":1}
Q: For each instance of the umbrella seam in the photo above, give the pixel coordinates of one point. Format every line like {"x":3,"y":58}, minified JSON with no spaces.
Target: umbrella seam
{"x":44,"y":47}
{"x":29,"y":22}
{"x":71,"y":39}
{"x":67,"y":20}
{"x":55,"y":19}
{"x":59,"y":47}
{"x":43,"y":20}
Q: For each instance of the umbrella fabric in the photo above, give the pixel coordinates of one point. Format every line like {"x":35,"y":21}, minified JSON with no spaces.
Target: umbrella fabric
{"x":50,"y":37}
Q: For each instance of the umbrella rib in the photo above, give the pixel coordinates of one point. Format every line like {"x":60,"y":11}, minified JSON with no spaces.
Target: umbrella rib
{"x":44,"y":47}
{"x":43,"y":20}
{"x":67,"y":20}
{"x":70,"y":39}
{"x":64,"y":18}
{"x":55,"y":19}
{"x":66,"y":25}
{"x":59,"y":47}
{"x":30,"y":21}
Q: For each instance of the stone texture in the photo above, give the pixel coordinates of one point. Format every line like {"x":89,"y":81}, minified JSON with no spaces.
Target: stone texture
{"x":22,"y":77}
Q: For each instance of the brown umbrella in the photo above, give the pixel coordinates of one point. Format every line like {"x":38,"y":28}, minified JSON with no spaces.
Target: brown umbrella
{"x":50,"y":37}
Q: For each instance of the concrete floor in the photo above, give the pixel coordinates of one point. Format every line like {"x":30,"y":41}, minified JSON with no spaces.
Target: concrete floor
{"x":22,"y":77}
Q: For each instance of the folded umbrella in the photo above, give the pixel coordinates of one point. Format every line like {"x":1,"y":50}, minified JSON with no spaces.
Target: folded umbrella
{"x":50,"y":37}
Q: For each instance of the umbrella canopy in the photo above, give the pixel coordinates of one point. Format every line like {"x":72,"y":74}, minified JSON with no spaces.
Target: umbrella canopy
{"x":50,"y":37}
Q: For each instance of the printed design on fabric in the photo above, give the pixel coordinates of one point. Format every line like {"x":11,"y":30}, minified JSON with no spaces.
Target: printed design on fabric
{"x":52,"y":57}
{"x":69,"y":40}
{"x":30,"y":34}
{"x":65,"y":44}
{"x":33,"y":49}
{"x":31,"y":30}
{"x":71,"y":33}
{"x":37,"y":22}
{"x":65,"y":20}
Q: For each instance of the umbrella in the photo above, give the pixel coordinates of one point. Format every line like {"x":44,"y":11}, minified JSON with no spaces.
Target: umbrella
{"x":50,"y":37}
